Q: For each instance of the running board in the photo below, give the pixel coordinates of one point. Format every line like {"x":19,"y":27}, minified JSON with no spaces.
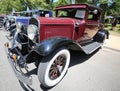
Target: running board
{"x":91,"y":47}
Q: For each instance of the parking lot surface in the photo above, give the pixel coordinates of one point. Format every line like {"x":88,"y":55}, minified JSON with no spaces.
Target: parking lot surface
{"x":96,"y":72}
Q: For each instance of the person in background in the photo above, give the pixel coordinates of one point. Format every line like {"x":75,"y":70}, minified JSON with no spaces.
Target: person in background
{"x":114,"y":21}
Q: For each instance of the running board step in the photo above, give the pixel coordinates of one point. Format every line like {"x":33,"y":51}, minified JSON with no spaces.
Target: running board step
{"x":89,"y":48}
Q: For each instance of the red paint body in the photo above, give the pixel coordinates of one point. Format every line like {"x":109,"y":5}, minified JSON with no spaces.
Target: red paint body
{"x":69,"y":26}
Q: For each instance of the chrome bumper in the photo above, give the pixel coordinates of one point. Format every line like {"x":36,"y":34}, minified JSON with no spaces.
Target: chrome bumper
{"x":17,"y":70}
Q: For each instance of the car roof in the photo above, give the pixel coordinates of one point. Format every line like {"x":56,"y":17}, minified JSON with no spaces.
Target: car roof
{"x":78,"y":6}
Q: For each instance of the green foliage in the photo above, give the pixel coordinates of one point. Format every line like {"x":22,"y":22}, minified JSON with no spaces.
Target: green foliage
{"x":103,"y":1}
{"x":61,"y":2}
{"x":81,"y":1}
{"x":6,"y":6}
{"x":115,"y":7}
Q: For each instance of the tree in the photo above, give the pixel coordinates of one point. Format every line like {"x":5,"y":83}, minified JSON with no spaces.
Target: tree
{"x":81,"y":1}
{"x":115,"y":7}
{"x":6,"y":6}
{"x":108,"y":6}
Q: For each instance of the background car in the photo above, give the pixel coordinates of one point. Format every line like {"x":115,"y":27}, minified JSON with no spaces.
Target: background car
{"x":23,"y":17}
{"x":4,"y":21}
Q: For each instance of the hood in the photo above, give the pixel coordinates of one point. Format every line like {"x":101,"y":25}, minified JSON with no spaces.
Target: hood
{"x":55,"y":21}
{"x":54,"y":27}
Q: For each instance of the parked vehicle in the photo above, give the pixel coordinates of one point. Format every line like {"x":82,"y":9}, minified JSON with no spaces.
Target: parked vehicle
{"x":4,"y":21}
{"x":24,"y":16}
{"x":47,"y":42}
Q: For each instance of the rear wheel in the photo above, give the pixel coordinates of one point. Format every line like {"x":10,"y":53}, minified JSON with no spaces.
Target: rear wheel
{"x":53,"y":67}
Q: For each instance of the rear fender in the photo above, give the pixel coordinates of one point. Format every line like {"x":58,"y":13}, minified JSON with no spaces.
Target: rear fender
{"x":100,"y":36}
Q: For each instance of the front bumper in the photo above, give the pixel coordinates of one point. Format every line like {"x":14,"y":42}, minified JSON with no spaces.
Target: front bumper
{"x":23,"y":77}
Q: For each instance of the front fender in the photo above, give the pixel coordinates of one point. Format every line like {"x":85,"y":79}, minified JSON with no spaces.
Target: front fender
{"x":49,"y":45}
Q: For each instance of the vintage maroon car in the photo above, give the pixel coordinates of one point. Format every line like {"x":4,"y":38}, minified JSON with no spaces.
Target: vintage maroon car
{"x":47,"y":42}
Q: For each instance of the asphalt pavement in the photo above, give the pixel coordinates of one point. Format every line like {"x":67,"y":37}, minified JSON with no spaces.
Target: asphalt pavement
{"x":96,"y":72}
{"x":113,"y":42}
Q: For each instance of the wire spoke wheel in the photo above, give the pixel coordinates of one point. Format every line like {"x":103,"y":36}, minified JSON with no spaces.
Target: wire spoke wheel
{"x":57,"y":67}
{"x":53,"y":67}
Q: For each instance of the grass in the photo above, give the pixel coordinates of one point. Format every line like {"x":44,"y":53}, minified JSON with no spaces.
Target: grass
{"x":115,"y":32}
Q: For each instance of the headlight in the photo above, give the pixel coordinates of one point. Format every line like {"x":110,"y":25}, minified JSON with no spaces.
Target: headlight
{"x":32,"y":31}
{"x":19,"y":27}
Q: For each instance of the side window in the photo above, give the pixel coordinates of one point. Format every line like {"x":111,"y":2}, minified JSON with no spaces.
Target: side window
{"x":62,"y":13}
{"x":93,"y":15}
{"x":90,"y":17}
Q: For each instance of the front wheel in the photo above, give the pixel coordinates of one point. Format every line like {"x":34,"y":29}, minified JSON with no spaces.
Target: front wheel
{"x":53,"y":67}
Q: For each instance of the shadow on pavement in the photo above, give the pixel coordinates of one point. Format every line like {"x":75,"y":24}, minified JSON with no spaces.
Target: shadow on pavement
{"x":26,"y":87}
{"x":77,"y":57}
{"x":44,"y":88}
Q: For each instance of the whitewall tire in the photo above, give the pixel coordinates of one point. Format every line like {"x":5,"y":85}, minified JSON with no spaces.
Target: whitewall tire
{"x":53,"y":67}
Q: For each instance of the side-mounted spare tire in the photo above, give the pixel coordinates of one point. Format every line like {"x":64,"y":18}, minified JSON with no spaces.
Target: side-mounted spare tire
{"x":53,"y":67}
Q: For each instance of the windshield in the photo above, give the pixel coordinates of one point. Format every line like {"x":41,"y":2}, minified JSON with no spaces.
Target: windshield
{"x":71,"y":13}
